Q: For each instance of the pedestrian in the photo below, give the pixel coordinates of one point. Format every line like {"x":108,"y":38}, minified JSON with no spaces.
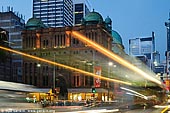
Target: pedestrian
{"x":87,"y":102}
{"x":144,"y":107}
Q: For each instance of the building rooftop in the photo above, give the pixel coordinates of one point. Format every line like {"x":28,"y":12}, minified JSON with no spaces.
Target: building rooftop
{"x":34,"y":23}
{"x":108,"y":20}
{"x":93,"y":18}
{"x":116,"y":37}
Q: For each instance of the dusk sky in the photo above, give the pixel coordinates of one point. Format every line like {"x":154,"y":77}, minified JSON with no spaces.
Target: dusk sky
{"x":130,"y":18}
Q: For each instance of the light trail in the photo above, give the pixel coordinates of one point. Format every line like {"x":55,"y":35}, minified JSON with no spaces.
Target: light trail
{"x":165,"y":109}
{"x":65,"y":66}
{"x":94,"y":111}
{"x":134,"y":92}
{"x":113,"y":56}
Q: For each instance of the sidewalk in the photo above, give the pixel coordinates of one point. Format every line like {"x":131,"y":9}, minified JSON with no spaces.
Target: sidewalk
{"x":64,"y":108}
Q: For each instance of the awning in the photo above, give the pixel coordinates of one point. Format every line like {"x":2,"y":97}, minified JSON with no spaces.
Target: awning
{"x":86,"y":90}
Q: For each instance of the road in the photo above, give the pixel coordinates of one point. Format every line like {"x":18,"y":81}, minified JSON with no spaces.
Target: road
{"x":15,"y":103}
{"x":144,"y":111}
{"x":77,"y":109}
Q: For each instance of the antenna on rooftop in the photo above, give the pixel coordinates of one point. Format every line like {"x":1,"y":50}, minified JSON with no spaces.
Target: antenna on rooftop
{"x":12,"y":9}
{"x":2,"y":9}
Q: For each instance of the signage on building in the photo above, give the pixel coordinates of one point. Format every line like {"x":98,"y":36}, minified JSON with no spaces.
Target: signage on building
{"x":168,"y":62}
{"x":167,"y":83}
{"x":97,"y":71}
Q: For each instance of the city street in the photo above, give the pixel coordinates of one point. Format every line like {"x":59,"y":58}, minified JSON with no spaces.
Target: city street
{"x":85,"y":110}
{"x":84,"y":56}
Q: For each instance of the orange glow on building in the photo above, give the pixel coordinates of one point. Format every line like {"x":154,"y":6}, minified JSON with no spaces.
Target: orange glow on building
{"x":67,"y":41}
{"x":38,"y":41}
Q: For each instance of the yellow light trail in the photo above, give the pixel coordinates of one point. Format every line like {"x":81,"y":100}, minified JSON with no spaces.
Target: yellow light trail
{"x":165,"y":109}
{"x":113,"y":56}
{"x":65,"y":66}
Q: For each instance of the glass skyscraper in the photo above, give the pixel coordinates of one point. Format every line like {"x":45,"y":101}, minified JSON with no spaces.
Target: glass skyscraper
{"x":143,"y":46}
{"x":167,"y":24}
{"x":13,"y":23}
{"x":167,"y":53}
{"x":80,"y":8}
{"x":54,"y":13}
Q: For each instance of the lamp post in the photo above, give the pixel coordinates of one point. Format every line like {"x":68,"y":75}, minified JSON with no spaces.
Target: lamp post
{"x":39,"y":65}
{"x":109,"y":65}
{"x":54,"y":75}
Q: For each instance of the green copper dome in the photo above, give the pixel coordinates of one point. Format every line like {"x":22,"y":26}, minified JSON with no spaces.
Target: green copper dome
{"x":108,"y":20}
{"x":34,"y":23}
{"x":116,"y":37}
{"x":93,"y":18}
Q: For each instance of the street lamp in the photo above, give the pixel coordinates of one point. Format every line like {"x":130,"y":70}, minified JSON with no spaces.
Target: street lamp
{"x":39,"y":65}
{"x":109,"y":65}
{"x":54,"y":74}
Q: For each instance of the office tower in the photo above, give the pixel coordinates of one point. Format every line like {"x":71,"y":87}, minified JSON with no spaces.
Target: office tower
{"x":167,"y":53}
{"x":5,"y":58}
{"x":143,"y":46}
{"x":80,"y":9}
{"x":54,"y":13}
{"x":167,"y":24}
{"x":156,"y":57}
{"x":13,"y":22}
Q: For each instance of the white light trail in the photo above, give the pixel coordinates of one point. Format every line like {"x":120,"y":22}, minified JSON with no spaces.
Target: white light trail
{"x":135,"y":93}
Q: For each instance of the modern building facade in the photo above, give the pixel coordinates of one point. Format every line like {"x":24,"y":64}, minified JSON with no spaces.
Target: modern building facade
{"x":167,"y":25}
{"x":56,"y":45}
{"x":167,"y":53}
{"x":5,"y":58}
{"x":54,"y":13}
{"x":14,"y":23}
{"x":143,"y":46}
{"x":156,"y":58}
{"x":80,"y":9}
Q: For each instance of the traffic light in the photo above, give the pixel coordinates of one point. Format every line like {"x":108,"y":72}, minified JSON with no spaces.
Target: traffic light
{"x":93,"y":90}
{"x":54,"y":90}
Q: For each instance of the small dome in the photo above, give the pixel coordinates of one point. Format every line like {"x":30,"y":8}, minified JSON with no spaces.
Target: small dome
{"x":108,"y":20}
{"x":34,"y":23}
{"x":93,"y":18}
{"x":116,"y":37}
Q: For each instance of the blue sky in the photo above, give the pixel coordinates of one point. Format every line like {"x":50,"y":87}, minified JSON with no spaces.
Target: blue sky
{"x":130,"y":18}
